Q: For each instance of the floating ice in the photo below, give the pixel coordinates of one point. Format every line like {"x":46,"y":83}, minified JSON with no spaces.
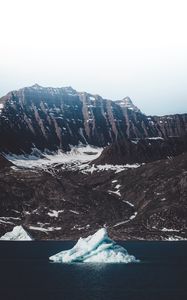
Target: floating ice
{"x":97,"y":248}
{"x":18,"y":233}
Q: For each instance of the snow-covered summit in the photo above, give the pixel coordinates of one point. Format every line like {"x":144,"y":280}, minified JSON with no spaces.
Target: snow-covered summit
{"x":96,"y":248}
{"x":18,"y":233}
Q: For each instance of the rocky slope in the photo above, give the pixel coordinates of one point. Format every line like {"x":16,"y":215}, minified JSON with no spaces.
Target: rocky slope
{"x":52,"y":118}
{"x":128,"y":151}
{"x":4,"y":162}
{"x":149,"y":202}
{"x":73,"y":197}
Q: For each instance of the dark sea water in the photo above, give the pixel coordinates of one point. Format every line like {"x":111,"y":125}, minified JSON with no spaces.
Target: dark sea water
{"x":26,"y":273}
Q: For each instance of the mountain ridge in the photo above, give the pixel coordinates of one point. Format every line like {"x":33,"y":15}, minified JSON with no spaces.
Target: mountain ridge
{"x":139,"y":151}
{"x":55,"y":118}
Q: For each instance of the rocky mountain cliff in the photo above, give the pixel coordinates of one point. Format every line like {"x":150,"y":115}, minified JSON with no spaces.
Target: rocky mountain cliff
{"x":77,"y":193}
{"x":130,"y":151}
{"x":53,"y":118}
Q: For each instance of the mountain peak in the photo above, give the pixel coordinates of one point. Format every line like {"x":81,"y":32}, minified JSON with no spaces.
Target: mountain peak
{"x":55,"y":90}
{"x":36,"y":86}
{"x":127,"y":103}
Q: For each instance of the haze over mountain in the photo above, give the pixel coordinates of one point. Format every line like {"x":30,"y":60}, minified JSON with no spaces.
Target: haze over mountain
{"x":112,"y":48}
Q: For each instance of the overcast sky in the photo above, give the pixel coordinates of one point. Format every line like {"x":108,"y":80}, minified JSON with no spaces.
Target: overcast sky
{"x":135,"y":48}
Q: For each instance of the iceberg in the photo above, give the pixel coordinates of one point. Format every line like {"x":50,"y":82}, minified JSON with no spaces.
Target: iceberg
{"x":17,"y":234}
{"x":96,"y":248}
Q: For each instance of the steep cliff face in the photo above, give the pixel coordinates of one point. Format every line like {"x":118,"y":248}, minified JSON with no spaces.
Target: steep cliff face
{"x":56,"y":118}
{"x":52,"y":118}
{"x":128,"y":151}
{"x":170,"y":125}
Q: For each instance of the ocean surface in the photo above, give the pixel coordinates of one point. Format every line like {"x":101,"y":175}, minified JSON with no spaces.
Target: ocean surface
{"x":26,"y":273}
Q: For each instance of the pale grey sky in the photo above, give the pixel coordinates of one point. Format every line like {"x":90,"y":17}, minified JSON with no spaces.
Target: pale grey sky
{"x":115,"y":48}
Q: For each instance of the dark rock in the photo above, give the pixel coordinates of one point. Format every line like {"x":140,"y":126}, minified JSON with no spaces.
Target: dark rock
{"x":152,"y":200}
{"x":4,"y":162}
{"x":128,"y":151}
{"x":52,"y":118}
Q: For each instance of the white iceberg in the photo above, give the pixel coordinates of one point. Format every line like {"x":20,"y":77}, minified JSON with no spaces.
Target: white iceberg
{"x":96,"y":248}
{"x":17,"y":234}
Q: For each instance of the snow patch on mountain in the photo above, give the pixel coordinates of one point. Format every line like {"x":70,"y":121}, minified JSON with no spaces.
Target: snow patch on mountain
{"x":170,"y":229}
{"x":155,"y":138}
{"x":6,"y":222}
{"x":106,"y":167}
{"x":115,"y":192}
{"x":75,"y":157}
{"x":43,"y":229}
{"x":174,"y":238}
{"x":79,"y":158}
{"x":96,"y":248}
{"x":129,"y":203}
{"x":55,"y":213}
{"x":126,"y":221}
{"x":1,"y":107}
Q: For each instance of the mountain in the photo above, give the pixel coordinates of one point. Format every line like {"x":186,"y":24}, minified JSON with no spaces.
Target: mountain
{"x":127,"y":103}
{"x":137,"y":187}
{"x":4,"y":162}
{"x":148,"y":202}
{"x":132,"y":151}
{"x":53,"y":118}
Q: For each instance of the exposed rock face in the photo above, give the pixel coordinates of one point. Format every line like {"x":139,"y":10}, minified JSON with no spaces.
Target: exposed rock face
{"x":170,"y":125}
{"x":128,"y":151}
{"x":52,"y":118}
{"x":4,"y":162}
{"x":149,"y":202}
{"x":56,"y":118}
